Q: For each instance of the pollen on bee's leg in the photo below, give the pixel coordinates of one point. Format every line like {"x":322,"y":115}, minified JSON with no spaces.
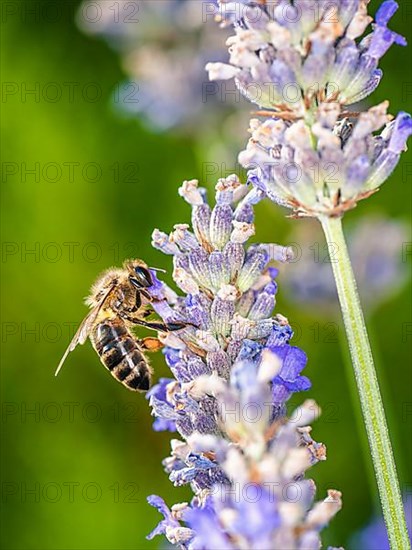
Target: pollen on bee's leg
{"x":151,"y":344}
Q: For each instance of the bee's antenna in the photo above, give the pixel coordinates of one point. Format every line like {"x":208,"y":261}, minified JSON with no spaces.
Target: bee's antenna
{"x":158,"y":269}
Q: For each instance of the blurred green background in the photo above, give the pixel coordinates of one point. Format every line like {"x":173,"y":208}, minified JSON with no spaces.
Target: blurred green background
{"x":78,"y":453}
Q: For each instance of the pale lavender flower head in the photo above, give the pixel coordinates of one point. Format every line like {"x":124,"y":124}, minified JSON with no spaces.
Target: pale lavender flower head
{"x":289,"y":57}
{"x":325,"y":168}
{"x":303,"y":64}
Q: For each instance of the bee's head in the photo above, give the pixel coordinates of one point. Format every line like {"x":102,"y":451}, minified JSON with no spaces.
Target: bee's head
{"x":139,"y":274}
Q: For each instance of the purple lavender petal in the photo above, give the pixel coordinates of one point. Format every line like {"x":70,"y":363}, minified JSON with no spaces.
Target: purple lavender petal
{"x":400,"y":133}
{"x":293,"y":362}
{"x":357,"y":172}
{"x":163,"y":425}
{"x":385,"y":12}
{"x":209,"y":533}
{"x":160,"y":504}
{"x":281,"y":335}
{"x":257,"y":515}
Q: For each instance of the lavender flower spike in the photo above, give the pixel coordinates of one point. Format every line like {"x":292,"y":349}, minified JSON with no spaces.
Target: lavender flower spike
{"x":303,"y":65}
{"x":290,"y":57}
{"x":234,"y":371}
{"x":230,"y":294}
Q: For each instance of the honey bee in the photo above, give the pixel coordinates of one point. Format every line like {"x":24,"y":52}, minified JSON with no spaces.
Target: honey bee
{"x":118,"y":300}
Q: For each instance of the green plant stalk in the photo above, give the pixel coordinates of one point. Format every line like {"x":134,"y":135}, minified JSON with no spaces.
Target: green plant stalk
{"x":368,"y":386}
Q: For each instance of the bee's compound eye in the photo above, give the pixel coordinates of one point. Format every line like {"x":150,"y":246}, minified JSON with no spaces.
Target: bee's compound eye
{"x":142,"y":277}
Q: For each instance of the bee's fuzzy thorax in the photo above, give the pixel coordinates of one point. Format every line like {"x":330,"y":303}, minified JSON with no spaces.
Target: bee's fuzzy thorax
{"x":102,"y":284}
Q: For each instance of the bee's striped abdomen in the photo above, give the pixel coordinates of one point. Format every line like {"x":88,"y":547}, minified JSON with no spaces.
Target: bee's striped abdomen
{"x":119,"y":353}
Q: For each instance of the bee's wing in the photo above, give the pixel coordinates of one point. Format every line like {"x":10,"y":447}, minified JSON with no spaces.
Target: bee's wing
{"x":83,"y":331}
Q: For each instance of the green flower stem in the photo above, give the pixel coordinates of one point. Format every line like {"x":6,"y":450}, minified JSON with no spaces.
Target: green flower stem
{"x":368,"y":386}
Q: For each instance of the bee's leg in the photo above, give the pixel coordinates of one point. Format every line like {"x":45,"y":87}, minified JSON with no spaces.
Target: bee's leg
{"x":156,"y":325}
{"x":162,"y":327}
{"x":150,"y":344}
{"x":141,"y":292}
{"x":157,"y":300}
{"x":137,"y":303}
{"x":144,"y":293}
